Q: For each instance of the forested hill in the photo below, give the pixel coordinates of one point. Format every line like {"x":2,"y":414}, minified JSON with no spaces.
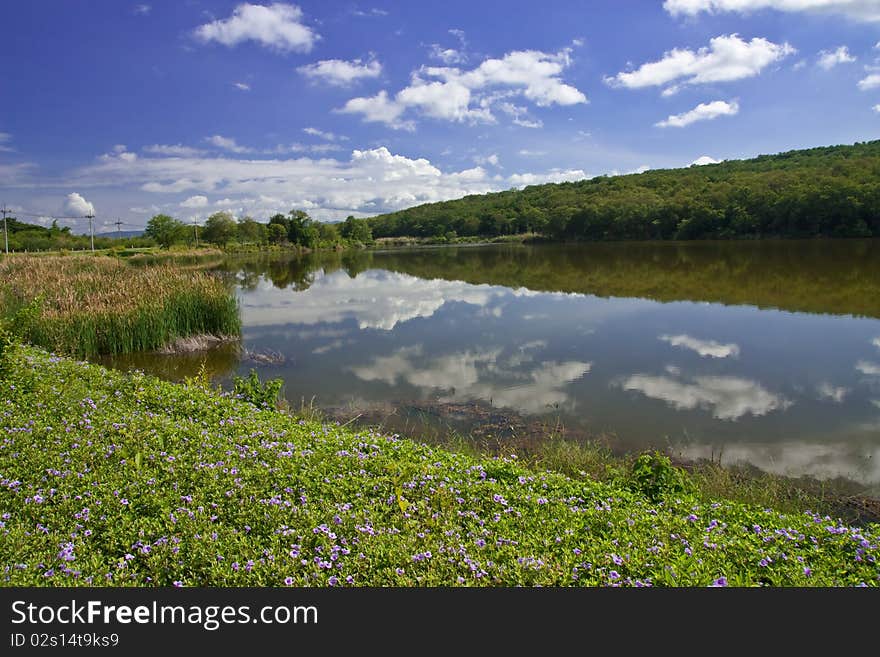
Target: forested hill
{"x":831,"y":191}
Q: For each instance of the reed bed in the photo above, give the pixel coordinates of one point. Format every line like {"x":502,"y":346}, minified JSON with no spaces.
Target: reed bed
{"x":86,"y":306}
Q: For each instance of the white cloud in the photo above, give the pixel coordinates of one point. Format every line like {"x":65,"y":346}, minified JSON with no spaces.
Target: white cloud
{"x":868,"y":368}
{"x":76,"y":205}
{"x":227,"y":144}
{"x":552,"y":176}
{"x":447,"y":55}
{"x":174,"y":150}
{"x":467,"y":96}
{"x":727,"y":58}
{"x":491,"y":159}
{"x":242,"y":86}
{"x":872,"y":81}
{"x":277,"y":26}
{"x":529,"y":153}
{"x":520,"y":115}
{"x":867,"y":10}
{"x":142,"y":10}
{"x":704,"y":348}
{"x":703,"y":160}
{"x":876,"y":342}
{"x":370,"y":182}
{"x":340,"y":72}
{"x":702,"y":112}
{"x":727,"y":397}
{"x":370,"y":12}
{"x":378,"y":109}
{"x":198,"y":201}
{"x":5,"y":138}
{"x":323,"y":134}
{"x":832,"y":393}
{"x":876,"y":108}
{"x":828,"y":59}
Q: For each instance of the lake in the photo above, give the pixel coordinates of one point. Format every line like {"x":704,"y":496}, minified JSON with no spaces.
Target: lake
{"x":766,"y":353}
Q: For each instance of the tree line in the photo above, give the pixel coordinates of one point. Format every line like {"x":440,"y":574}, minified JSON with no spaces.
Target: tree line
{"x":829,"y":192}
{"x":295,"y":228}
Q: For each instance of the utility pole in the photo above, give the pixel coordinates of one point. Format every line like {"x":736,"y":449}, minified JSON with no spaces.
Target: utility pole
{"x":91,"y":216}
{"x":118,"y":223}
{"x":196,"y":232}
{"x":5,"y":231}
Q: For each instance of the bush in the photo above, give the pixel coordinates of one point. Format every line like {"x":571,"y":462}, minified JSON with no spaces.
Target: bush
{"x":654,"y":476}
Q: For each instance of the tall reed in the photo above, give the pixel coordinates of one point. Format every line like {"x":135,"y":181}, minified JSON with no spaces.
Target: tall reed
{"x":99,"y":305}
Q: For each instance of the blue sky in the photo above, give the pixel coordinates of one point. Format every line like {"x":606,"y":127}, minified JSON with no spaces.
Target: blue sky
{"x":188,"y":107}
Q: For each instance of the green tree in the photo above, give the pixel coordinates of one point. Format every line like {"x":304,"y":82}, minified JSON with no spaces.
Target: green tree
{"x":356,"y":230}
{"x":252,"y":232}
{"x":220,"y":228}
{"x":165,"y":230}
{"x":277,"y":233}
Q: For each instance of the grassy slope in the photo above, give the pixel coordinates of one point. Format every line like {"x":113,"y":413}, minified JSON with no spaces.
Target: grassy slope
{"x":109,"y":478}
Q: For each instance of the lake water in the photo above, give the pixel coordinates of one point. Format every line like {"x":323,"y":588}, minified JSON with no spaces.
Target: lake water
{"x":766,"y":353}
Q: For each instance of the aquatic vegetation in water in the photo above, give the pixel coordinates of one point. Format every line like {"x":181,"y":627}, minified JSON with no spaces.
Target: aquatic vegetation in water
{"x":100,"y":305}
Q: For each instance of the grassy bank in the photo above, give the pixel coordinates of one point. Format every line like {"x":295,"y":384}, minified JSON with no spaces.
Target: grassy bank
{"x":98,"y":305}
{"x":111,"y":478}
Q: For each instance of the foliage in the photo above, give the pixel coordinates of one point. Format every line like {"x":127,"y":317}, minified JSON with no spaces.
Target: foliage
{"x":261,"y":395}
{"x":220,"y":228}
{"x":138,"y":482}
{"x":829,"y":192}
{"x":98,"y":305}
{"x":165,"y":230}
{"x":655,"y":477}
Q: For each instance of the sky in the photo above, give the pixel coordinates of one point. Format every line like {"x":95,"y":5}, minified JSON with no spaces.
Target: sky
{"x":189,"y":107}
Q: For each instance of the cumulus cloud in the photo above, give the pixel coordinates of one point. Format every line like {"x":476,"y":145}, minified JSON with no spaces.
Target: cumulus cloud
{"x":552,"y":176}
{"x":77,"y":206}
{"x":702,"y":112}
{"x":703,"y":160}
{"x":277,"y":26}
{"x":341,"y":73}
{"x":324,"y":134}
{"x":173,"y":150}
{"x":370,"y":182}
{"x":5,"y":138}
{"x":869,"y":82}
{"x":727,"y":58}
{"x":876,"y":108}
{"x":865,"y":10}
{"x":242,"y":86}
{"x":197,"y":201}
{"x":705,"y":348}
{"x":727,"y":397}
{"x":829,"y":392}
{"x":447,"y":55}
{"x":227,"y":144}
{"x":868,"y":368}
{"x":828,"y":59}
{"x":451,"y":94}
{"x":378,"y":109}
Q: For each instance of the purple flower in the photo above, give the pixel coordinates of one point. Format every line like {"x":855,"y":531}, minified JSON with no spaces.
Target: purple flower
{"x":721,"y":581}
{"x":288,"y":581}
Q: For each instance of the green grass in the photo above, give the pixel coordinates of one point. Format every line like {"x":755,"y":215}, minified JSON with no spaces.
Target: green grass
{"x":109,"y":478}
{"x":87,"y":306}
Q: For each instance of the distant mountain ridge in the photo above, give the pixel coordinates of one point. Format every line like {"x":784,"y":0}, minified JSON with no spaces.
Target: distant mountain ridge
{"x":831,"y":191}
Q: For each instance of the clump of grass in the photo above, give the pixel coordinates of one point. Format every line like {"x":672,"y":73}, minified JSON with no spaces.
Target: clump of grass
{"x":99,"y":305}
